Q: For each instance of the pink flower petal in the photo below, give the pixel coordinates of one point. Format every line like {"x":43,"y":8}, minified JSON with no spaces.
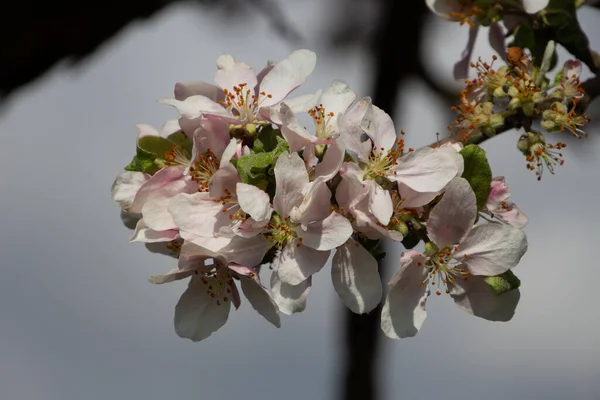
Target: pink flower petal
{"x":427,"y":170}
{"x":254,"y":201}
{"x":286,"y":76}
{"x":355,"y":277}
{"x":260,"y":299}
{"x":197,"y":315}
{"x":453,"y":217}
{"x":290,"y":299}
{"x":297,"y":262}
{"x":290,"y":179}
{"x":380,"y":202}
{"x":154,"y":183}
{"x":126,"y":186}
{"x":327,"y":234}
{"x":492,"y":249}
{"x":198,"y":214}
{"x":232,"y":73}
{"x":183,"y":90}
{"x":378,"y":125}
{"x":476,"y":297}
{"x":146,"y":235}
{"x":404,"y":311}
{"x":332,"y":161}
{"x":461,"y":68}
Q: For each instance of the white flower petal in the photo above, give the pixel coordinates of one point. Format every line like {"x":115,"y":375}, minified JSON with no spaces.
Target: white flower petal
{"x":197,"y":315}
{"x":351,"y":133}
{"x":315,"y":206}
{"x":355,"y":277}
{"x":413,"y":199}
{"x":260,"y":299}
{"x":378,"y":125}
{"x":336,"y":99}
{"x":153,"y":184}
{"x":126,"y":186}
{"x":533,"y":6}
{"x":253,"y":201}
{"x":453,"y":217}
{"x":476,"y":297}
{"x":492,"y":249}
{"x":427,"y":169}
{"x":351,"y":190}
{"x":198,"y":214}
{"x":289,"y":298}
{"x":183,"y":90}
{"x":404,"y":311}
{"x":380,"y":202}
{"x":146,"y":235}
{"x":290,"y":179}
{"x":332,"y":161}
{"x":286,"y":76}
{"x":327,"y":234}
{"x":232,"y":73}
{"x":296,"y":262}
{"x":293,"y":132}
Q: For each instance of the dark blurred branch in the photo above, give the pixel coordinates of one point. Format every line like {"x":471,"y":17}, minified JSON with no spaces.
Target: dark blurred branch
{"x":396,"y":49}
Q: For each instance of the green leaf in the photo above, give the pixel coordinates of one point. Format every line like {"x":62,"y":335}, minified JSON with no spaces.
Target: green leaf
{"x":256,"y":168}
{"x":477,"y":172}
{"x":503,"y":283}
{"x":152,"y":148}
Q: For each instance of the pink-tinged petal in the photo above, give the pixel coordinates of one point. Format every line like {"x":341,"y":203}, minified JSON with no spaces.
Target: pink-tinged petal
{"x":427,"y":169}
{"x":194,"y":107}
{"x":295,"y":104}
{"x":245,"y":251}
{"x":163,"y":248}
{"x":332,"y":161}
{"x":254,"y":201}
{"x":290,"y":179}
{"x":351,"y":137}
{"x":235,"y":296}
{"x":413,"y":199}
{"x":453,"y":217}
{"x":378,"y":125}
{"x":173,"y":275}
{"x":262,"y":73}
{"x":309,"y":156}
{"x":286,"y":76}
{"x":499,"y":193}
{"x":242,"y":269}
{"x":289,"y":298}
{"x":297,"y":262}
{"x":356,"y":278}
{"x":212,"y":243}
{"x":513,"y":216}
{"x":336,"y":99}
{"x":534,"y":6}
{"x":126,"y":186}
{"x":260,"y":299}
{"x":404,"y":311}
{"x":197,"y":315}
{"x":198,"y":214}
{"x":183,"y":90}
{"x":223,"y":182}
{"x":461,"y":68}
{"x":572,"y":69}
{"x":232,"y":73}
{"x":327,"y":234}
{"x":212,"y":135}
{"x":351,"y":190}
{"x":293,"y":132}
{"x":146,"y":235}
{"x":315,"y":206}
{"x":146,"y":130}
{"x":380,"y":202}
{"x":367,"y":224}
{"x":229,"y":152}
{"x":154,"y":183}
{"x":497,"y":39}
{"x":492,"y":249}
{"x":155,"y":210}
{"x":476,"y":297}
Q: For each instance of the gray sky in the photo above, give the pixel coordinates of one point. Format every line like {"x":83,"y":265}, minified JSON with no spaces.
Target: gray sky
{"x":80,"y":321}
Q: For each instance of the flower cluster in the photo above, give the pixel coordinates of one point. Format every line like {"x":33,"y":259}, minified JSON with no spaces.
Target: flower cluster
{"x":516,"y":95}
{"x":237,"y":183}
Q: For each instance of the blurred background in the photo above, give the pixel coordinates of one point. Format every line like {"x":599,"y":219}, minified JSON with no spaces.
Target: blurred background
{"x":79,"y":321}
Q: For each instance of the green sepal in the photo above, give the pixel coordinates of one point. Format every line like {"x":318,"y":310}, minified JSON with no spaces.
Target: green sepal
{"x":256,"y":168}
{"x":503,"y":283}
{"x":143,"y":162}
{"x":152,"y":148}
{"x":477,"y":172}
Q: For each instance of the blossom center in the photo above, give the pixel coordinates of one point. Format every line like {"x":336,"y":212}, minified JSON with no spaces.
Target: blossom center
{"x":203,"y":169}
{"x":381,"y":161}
{"x":243,"y":101}
{"x":466,"y":12}
{"x":322,"y":119}
{"x":444,"y":270}
{"x":217,"y":282}
{"x":281,"y":231}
